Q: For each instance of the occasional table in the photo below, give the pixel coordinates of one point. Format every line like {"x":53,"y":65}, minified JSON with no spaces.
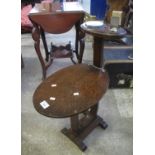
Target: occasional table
{"x":56,"y":18}
{"x":73,"y":92}
{"x":100,"y":34}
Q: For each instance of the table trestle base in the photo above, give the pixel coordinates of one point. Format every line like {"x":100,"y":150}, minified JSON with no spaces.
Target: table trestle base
{"x":80,"y":128}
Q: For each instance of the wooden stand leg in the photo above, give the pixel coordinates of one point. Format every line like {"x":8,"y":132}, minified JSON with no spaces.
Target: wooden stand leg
{"x":79,"y":39}
{"x":72,"y":58}
{"x":36,"y":37}
{"x":81,"y":128}
{"x":98,"y":52}
{"x":45,"y":44}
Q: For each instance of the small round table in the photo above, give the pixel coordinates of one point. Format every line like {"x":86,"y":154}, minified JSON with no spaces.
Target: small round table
{"x":101,"y":34}
{"x":70,"y":92}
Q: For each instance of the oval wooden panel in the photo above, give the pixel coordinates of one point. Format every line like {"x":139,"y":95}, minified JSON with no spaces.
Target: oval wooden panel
{"x":70,"y":91}
{"x":104,"y":32}
{"x":57,"y":23}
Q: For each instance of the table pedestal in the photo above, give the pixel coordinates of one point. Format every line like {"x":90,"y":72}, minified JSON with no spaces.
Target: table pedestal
{"x":80,"y":128}
{"x":100,"y":35}
{"x":98,"y":51}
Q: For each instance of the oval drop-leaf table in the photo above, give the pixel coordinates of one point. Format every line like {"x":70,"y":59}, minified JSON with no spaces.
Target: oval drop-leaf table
{"x":72,"y":91}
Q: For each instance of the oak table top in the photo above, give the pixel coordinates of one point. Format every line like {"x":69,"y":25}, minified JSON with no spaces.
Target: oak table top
{"x":105,"y":31}
{"x":70,"y":91}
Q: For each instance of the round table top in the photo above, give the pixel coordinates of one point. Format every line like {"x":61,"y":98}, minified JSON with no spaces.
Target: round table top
{"x":104,"y":31}
{"x":70,"y":91}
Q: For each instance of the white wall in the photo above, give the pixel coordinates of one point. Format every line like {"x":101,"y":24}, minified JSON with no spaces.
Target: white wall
{"x":86,"y":5}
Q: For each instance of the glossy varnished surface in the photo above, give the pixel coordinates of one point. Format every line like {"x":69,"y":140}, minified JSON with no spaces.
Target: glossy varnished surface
{"x":75,"y":89}
{"x":57,"y":23}
{"x":104,"y":31}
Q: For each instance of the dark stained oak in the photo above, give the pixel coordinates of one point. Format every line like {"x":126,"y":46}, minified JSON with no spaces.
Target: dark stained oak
{"x":101,"y":34}
{"x":104,"y":31}
{"x":89,"y":84}
{"x":57,"y":23}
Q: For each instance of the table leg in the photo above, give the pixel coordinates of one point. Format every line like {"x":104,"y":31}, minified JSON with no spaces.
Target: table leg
{"x":77,"y":26}
{"x":79,"y":39}
{"x":36,"y":37}
{"x":82,"y":46}
{"x":98,"y":53}
{"x":74,"y":123}
{"x":45,"y":44}
{"x":80,"y":128}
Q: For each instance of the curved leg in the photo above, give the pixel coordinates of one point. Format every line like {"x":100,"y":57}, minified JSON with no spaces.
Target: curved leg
{"x":79,"y":39}
{"x":72,"y":56}
{"x":36,"y":38}
{"x":73,"y":60}
{"x":45,"y":44}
